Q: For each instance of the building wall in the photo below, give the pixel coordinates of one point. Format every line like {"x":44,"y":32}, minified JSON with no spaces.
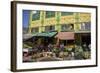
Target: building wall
{"x":77,"y":19}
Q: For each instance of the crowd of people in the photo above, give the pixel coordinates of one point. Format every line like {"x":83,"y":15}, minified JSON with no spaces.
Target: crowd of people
{"x":77,"y":52}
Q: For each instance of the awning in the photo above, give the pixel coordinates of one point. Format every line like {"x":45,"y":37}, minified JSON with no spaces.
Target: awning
{"x":27,"y":36}
{"x":65,"y":35}
{"x":45,"y":34}
{"x":25,"y":50}
{"x":26,"y":46}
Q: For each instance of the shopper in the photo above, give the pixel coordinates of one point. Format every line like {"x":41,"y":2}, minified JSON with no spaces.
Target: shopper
{"x":62,"y":47}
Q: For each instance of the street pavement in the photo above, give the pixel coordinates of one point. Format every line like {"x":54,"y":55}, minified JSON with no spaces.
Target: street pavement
{"x":49,"y":59}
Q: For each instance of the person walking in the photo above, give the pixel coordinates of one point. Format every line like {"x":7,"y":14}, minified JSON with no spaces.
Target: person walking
{"x":62,"y":47}
{"x":50,"y":47}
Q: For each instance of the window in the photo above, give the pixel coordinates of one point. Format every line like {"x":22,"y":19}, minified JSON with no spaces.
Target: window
{"x":66,"y":13}
{"x":34,"y":30}
{"x":86,"y":26}
{"x":49,"y":28}
{"x":67,"y":27}
{"x":36,"y":15}
{"x":50,"y":14}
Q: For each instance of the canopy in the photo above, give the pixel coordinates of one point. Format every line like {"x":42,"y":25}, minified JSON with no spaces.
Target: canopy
{"x":27,"y":36}
{"x":65,"y":35}
{"x":26,"y":46}
{"x":45,"y":34}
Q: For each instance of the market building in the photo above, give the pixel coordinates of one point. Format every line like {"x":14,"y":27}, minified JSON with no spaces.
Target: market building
{"x":69,"y":28}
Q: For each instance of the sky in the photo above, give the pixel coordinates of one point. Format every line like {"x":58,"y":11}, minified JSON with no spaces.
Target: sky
{"x":26,"y":18}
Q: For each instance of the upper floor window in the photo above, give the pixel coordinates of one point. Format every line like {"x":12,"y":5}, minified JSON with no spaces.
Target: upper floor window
{"x":34,"y":30}
{"x":66,"y":13}
{"x":50,"y":14}
{"x":36,"y":15}
{"x":86,"y":26}
{"x":67,"y":27}
{"x":49,"y":28}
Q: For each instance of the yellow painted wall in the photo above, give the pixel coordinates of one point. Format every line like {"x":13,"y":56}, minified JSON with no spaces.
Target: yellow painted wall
{"x":36,"y":23}
{"x":77,"y":26}
{"x":69,"y":19}
{"x":50,"y":21}
{"x":85,"y":17}
{"x":30,"y":21}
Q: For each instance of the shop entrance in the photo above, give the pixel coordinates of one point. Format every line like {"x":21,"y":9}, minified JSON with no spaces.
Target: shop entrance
{"x":86,"y":38}
{"x":83,"y":38}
